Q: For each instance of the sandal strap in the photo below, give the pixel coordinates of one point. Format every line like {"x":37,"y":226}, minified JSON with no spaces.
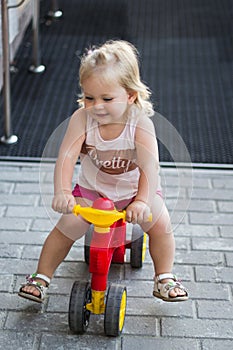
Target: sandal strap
{"x":164,"y":276}
{"x":167,"y":287}
{"x":44,"y":278}
{"x":31,"y":278}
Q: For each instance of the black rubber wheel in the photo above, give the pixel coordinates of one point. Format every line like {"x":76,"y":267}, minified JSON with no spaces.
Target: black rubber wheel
{"x":138,"y":247}
{"x":87,"y":243}
{"x":115,"y":310}
{"x":78,"y":314}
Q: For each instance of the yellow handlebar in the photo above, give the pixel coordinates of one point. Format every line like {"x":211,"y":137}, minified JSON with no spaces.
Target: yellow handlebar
{"x":101,"y":218}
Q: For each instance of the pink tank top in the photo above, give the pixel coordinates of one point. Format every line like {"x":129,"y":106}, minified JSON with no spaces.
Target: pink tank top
{"x":109,"y":167}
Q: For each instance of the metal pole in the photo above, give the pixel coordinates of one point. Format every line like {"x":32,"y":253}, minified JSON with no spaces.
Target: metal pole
{"x":54,"y":12}
{"x":36,"y":66}
{"x":8,"y":138}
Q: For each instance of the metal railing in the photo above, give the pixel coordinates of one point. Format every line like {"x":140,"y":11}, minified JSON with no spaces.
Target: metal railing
{"x":36,"y":67}
{"x":55,"y":12}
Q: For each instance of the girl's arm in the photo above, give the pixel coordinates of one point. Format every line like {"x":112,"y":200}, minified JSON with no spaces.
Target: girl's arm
{"x":148,"y":163}
{"x":63,"y":200}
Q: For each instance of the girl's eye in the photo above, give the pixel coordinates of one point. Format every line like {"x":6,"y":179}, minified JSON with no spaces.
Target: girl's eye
{"x":107,"y":99}
{"x":89,"y":98}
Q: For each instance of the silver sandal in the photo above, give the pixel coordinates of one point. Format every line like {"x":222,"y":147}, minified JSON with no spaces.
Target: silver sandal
{"x":162,"y":290}
{"x":31,"y":281}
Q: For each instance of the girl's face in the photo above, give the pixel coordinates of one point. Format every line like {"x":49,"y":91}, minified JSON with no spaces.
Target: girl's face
{"x":107,"y":102}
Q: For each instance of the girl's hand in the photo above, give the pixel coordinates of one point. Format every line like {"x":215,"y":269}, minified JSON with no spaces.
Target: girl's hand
{"x":63,"y":203}
{"x":137,"y":212}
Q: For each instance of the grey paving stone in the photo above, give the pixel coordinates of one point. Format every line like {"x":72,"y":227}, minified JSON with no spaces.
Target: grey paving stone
{"x":217,"y":344}
{"x":211,"y":218}
{"x":2,"y":211}
{"x":69,"y":342}
{"x":42,"y":225}
{"x":15,"y":224}
{"x":22,"y":237}
{"x":17,"y":266}
{"x":150,"y":343}
{"x":58,"y":303}
{"x":61,"y":286}
{"x":10,"y":301}
{"x":10,"y":251}
{"x":26,"y":212}
{"x":225,"y":206}
{"x":76,"y":254}
{"x":183,"y":272}
{"x":141,"y":325}
{"x":185,"y":180}
{"x":214,"y":274}
{"x":6,"y":282}
{"x":182,"y":243}
{"x":214,"y":291}
{"x":31,"y":252}
{"x":6,"y":166}
{"x":6,"y":187}
{"x":226,"y":231}
{"x":223,"y":182}
{"x":30,"y":188}
{"x":139,"y":288}
{"x":16,"y":200}
{"x":16,"y":340}
{"x":48,"y":177}
{"x":192,"y":205}
{"x":197,"y":231}
{"x":19,"y":176}
{"x":73,"y":270}
{"x":215,"y":310}
{"x":155,"y":307}
{"x":177,"y":218}
{"x":212,"y":194}
{"x":210,"y":244}
{"x":25,"y":321}
{"x":3,"y":316}
{"x":199,"y":258}
{"x":229,"y":259}
{"x":174,"y":192}
{"x":145,"y":273}
{"x":197,"y":328}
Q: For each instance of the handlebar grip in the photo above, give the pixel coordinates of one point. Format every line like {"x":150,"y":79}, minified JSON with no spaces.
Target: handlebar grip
{"x":101,"y":218}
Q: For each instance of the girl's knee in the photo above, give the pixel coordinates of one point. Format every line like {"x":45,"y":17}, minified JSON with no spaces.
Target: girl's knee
{"x":72,"y":227}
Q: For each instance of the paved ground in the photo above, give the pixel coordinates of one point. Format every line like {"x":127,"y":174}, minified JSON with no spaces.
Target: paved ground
{"x":204,"y":260}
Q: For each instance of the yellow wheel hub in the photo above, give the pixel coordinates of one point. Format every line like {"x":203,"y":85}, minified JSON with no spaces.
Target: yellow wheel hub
{"x":122,"y":310}
{"x":144,"y":247}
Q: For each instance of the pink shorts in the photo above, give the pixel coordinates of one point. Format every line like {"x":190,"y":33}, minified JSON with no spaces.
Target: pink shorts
{"x":83,"y":192}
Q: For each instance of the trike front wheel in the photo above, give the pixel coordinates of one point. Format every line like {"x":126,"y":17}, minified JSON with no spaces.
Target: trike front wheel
{"x":115,"y":310}
{"x":78,"y":314}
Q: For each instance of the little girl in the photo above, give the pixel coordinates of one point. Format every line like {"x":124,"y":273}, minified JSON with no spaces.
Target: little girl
{"x":116,"y":143}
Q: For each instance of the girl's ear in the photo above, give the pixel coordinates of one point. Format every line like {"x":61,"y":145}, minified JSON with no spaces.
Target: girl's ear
{"x":132,"y":95}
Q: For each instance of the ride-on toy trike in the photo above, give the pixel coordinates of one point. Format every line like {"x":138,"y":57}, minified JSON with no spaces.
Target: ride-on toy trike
{"x":105,"y":242}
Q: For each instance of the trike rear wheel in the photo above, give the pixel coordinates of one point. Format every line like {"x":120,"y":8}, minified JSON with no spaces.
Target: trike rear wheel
{"x":115,"y":310}
{"x":138,"y":247}
{"x":78,"y":314}
{"x":87,"y":243}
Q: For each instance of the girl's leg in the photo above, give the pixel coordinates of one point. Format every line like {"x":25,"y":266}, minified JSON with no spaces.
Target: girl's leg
{"x":57,"y":246}
{"x":161,"y":242}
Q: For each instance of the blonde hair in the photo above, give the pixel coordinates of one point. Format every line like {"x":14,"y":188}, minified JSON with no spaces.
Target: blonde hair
{"x":122,"y":59}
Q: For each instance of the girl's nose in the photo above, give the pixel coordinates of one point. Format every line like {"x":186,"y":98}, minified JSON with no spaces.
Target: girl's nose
{"x":98,"y":105}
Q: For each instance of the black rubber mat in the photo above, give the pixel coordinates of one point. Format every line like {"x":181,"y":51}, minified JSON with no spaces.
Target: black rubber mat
{"x":186,"y":59}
